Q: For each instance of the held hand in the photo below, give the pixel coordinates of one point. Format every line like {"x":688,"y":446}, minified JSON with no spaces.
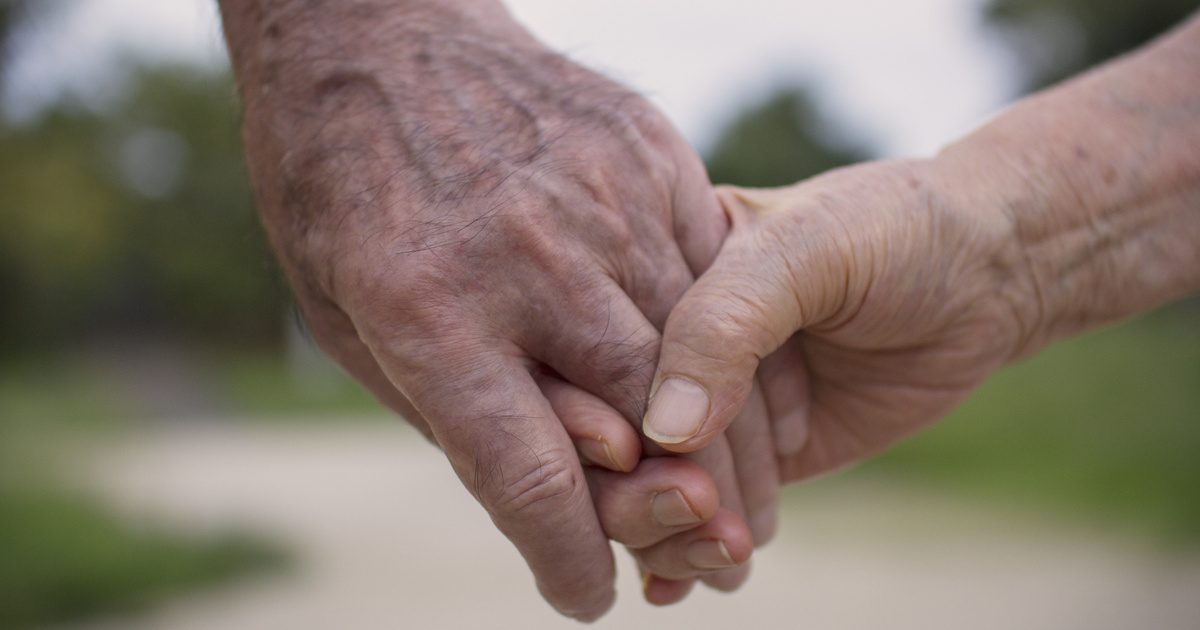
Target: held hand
{"x":879,"y":295}
{"x":460,"y":212}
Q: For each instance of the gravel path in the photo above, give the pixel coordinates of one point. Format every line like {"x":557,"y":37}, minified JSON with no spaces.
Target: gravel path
{"x":386,"y":538}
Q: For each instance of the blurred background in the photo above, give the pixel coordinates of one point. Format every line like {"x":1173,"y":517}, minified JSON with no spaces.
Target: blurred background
{"x":174,"y":454}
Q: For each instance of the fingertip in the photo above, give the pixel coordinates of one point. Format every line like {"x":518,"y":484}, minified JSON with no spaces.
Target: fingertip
{"x":692,"y":481}
{"x":738,"y":543}
{"x":595,"y":452}
{"x":660,"y":591}
{"x":678,"y":410}
{"x":721,"y":545}
{"x":625,"y":447}
{"x":733,"y":532}
{"x":764,"y":524}
{"x":662,"y":497}
{"x":729,"y":580}
{"x":601,"y":435}
{"x":686,"y":414}
{"x":591,"y":612}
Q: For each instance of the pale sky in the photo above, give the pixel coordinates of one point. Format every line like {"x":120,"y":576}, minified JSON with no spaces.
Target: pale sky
{"x":909,"y":75}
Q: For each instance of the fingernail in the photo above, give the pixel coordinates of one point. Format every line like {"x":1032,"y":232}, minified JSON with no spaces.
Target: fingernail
{"x":709,"y":554}
{"x":670,"y":509}
{"x":598,"y":452}
{"x":676,"y":412}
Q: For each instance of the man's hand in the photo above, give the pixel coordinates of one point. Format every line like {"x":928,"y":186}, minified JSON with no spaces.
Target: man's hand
{"x":460,"y":210}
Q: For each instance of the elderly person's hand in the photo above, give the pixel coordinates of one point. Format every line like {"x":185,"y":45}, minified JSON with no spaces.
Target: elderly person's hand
{"x":879,"y":298}
{"x":881,"y":295}
{"x":479,"y":230}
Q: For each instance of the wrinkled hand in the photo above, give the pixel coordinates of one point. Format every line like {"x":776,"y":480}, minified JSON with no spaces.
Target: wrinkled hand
{"x":879,"y":295}
{"x":490,"y":237}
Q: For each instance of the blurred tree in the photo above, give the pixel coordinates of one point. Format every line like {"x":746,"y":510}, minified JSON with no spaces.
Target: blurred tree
{"x":10,"y":15}
{"x":1055,"y":39}
{"x":780,"y":140}
{"x":133,"y":219}
{"x":14,"y":14}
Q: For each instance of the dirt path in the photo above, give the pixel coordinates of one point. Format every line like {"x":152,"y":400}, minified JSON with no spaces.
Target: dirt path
{"x":386,"y":538}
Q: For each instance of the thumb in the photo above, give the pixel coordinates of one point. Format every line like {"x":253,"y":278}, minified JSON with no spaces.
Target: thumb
{"x":743,"y":308}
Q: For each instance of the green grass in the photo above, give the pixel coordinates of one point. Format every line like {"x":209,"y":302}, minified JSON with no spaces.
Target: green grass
{"x":36,"y":394}
{"x":64,"y":394}
{"x":64,"y":558}
{"x":263,"y":386}
{"x":1106,"y":426}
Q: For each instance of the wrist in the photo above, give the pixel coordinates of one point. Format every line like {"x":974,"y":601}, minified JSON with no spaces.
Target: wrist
{"x":1099,"y":179}
{"x":284,"y":49}
{"x":988,"y":189}
{"x":1095,"y":230}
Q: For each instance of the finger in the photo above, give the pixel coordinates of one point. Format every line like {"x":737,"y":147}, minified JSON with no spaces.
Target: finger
{"x":721,"y":544}
{"x":663,"y":592}
{"x":757,"y":467}
{"x":512,"y":453}
{"x":605,"y":346}
{"x":700,"y":222}
{"x":662,"y":497}
{"x":601,"y":436}
{"x":784,"y":378}
{"x":753,"y":298}
{"x":699,"y":226}
{"x":717,"y":460}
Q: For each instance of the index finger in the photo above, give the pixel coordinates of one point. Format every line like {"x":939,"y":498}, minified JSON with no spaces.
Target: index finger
{"x":512,"y":453}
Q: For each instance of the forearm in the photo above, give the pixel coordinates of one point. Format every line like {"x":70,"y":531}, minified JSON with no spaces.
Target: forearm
{"x":1100,"y":181}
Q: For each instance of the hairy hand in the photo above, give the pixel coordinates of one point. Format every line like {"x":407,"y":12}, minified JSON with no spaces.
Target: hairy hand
{"x":487,"y":234}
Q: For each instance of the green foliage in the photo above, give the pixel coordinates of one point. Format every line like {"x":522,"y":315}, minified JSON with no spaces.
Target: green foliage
{"x":1106,"y":425}
{"x":264,"y":386}
{"x":1055,"y":39}
{"x":66,"y":559}
{"x":133,"y":219}
{"x":778,"y":141}
{"x":63,"y":556}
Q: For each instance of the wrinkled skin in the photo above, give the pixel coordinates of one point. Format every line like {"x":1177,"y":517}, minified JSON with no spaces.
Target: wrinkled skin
{"x":490,"y":237}
{"x":898,"y":290}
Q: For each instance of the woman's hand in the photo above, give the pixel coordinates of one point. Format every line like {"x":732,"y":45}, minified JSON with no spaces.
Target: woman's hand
{"x":909,"y":282}
{"x":878,"y":294}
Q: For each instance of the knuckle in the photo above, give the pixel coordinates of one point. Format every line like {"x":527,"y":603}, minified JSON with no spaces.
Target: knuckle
{"x":538,"y":485}
{"x":724,"y":328}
